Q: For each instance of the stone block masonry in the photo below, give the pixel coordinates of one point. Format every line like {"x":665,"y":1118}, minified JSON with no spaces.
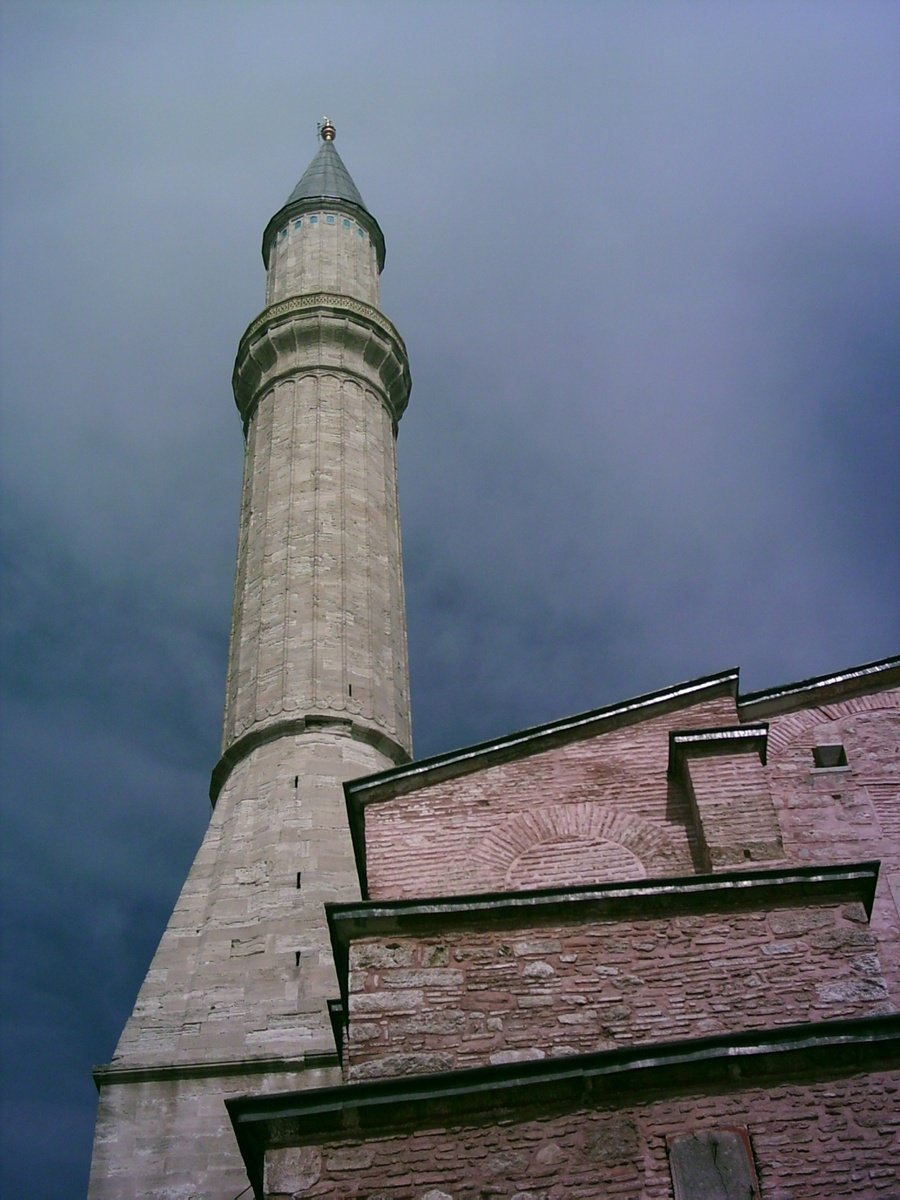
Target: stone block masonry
{"x":813,"y":1110}
{"x":510,"y":995}
{"x":829,"y":1140}
{"x":317,"y":694}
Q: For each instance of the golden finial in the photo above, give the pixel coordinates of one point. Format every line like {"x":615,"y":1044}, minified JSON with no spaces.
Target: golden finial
{"x":326,"y":130}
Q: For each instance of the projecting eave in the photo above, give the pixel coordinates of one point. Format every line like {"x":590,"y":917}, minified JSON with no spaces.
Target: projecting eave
{"x":397,"y":781}
{"x":807,"y":693}
{"x":605,"y":1079}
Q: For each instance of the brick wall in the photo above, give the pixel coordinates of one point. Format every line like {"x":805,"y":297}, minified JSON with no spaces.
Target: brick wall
{"x":847,"y":813}
{"x":498,"y":996}
{"x":595,"y":809}
{"x":826,"y":1140}
{"x":735,"y":815}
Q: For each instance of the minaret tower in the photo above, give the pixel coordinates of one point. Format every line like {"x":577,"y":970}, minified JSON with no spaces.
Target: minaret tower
{"x":317,"y":693}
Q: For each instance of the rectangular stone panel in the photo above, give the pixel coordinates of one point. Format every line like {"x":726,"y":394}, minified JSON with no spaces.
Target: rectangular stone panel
{"x":713,"y":1164}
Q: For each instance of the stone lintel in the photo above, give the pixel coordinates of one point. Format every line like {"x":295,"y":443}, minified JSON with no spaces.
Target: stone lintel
{"x":722,"y":892}
{"x":605,"y":1079}
{"x":730,"y":739}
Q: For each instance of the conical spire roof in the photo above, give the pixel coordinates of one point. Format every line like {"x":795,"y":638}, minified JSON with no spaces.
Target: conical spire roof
{"x":327,"y":177}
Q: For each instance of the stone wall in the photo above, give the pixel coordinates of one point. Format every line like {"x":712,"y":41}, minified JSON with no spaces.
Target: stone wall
{"x":850,"y":812}
{"x":831,"y":1139}
{"x":506,"y":995}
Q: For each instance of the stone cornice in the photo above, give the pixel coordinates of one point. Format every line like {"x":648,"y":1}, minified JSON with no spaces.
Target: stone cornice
{"x":724,"y":891}
{"x":331,"y":300}
{"x":609,"y":1079}
{"x":265,"y":354}
{"x":386,"y":785}
{"x":116,"y":1073}
{"x":823,"y":689}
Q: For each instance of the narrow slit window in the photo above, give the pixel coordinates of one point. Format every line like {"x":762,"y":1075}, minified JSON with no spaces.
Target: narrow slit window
{"x":299,"y":873}
{"x":296,"y":781}
{"x":296,"y":958}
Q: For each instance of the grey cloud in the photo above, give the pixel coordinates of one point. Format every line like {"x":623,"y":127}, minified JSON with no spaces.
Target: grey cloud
{"x":645,"y":262}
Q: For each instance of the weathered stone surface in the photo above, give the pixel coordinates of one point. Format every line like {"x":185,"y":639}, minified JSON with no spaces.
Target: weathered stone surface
{"x":601,"y":983}
{"x":836,"y":1138}
{"x":611,"y":1140}
{"x":712,"y":1165}
{"x":511,"y":1056}
{"x":410,"y":1063}
{"x":350,"y":1158}
{"x":292,"y":1170}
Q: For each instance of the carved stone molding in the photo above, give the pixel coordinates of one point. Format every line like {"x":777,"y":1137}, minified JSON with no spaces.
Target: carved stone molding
{"x":321,"y":331}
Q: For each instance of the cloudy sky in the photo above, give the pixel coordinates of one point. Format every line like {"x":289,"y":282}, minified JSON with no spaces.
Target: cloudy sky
{"x":646,"y":260}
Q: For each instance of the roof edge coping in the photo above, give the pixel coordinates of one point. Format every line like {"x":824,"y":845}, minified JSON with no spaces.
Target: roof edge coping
{"x":873,"y":676}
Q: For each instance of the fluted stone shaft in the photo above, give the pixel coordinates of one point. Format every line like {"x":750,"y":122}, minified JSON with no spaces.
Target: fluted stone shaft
{"x":318,"y":630}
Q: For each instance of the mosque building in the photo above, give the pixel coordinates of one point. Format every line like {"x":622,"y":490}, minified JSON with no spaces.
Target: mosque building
{"x":649,"y":951}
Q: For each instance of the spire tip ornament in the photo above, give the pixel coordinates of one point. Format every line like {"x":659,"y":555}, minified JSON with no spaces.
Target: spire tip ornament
{"x":326,"y":130}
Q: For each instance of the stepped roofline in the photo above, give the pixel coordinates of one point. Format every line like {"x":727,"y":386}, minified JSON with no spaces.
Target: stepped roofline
{"x":397,"y":781}
{"x":869,"y":677}
{"x":874,"y":676}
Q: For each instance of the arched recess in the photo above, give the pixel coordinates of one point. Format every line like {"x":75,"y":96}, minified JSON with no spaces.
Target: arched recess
{"x":867,"y":799}
{"x":785,"y":731}
{"x":577,"y":843}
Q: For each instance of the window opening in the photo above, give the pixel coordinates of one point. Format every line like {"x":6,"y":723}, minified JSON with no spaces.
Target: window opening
{"x":830,"y":756}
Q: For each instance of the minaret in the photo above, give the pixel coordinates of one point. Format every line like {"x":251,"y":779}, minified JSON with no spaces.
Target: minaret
{"x":317,"y":693}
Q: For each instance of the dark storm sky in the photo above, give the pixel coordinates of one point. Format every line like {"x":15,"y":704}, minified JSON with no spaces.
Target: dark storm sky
{"x":646,"y":260}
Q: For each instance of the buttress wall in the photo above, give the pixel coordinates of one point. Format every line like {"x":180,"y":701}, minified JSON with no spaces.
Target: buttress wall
{"x":745,"y":789}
